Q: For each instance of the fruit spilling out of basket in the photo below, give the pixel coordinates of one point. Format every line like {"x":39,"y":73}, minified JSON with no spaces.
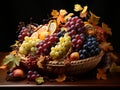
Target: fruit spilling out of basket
{"x":66,"y":44}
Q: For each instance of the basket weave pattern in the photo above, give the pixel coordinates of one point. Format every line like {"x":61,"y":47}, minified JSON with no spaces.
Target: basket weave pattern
{"x":75,"y":67}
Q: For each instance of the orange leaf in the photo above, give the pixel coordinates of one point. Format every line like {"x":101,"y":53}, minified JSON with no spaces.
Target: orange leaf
{"x":55,"y":13}
{"x":94,"y":19}
{"x":61,"y":78}
{"x":60,"y":19}
{"x":106,"y":29}
{"x":101,"y":74}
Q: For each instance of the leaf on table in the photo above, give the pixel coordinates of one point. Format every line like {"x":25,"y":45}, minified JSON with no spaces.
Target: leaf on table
{"x":114,"y":67}
{"x":61,"y":78}
{"x":101,"y":74}
{"x":39,"y":80}
{"x":11,"y":60}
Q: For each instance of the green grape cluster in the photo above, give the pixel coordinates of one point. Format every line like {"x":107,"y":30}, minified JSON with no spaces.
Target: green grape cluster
{"x":62,"y":47}
{"x":29,"y":46}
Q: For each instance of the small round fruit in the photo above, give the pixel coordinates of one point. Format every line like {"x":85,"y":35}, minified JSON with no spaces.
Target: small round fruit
{"x":18,"y":73}
{"x":74,"y":56}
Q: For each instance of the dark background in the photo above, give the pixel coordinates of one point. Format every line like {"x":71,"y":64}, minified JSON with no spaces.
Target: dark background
{"x":14,"y":11}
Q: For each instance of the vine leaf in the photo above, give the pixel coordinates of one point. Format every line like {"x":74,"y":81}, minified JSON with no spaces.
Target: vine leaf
{"x":11,"y":60}
{"x":93,"y":18}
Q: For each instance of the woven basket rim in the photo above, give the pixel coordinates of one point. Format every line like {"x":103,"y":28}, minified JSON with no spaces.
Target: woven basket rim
{"x":75,"y":62}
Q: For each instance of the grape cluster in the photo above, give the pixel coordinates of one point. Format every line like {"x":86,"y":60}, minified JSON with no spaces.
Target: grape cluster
{"x":43,"y":47}
{"x":32,"y":75}
{"x":30,"y":62}
{"x":28,"y":46}
{"x":77,"y":41}
{"x":90,"y":47}
{"x":25,"y":31}
{"x":74,"y":25}
{"x":62,"y":47}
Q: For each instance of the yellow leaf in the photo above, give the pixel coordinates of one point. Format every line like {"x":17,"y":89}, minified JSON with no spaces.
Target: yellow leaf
{"x":84,"y":9}
{"x":82,"y":15}
{"x":69,"y":16}
{"x":106,"y":28}
{"x":77,"y":7}
{"x":63,"y":12}
{"x":93,"y":19}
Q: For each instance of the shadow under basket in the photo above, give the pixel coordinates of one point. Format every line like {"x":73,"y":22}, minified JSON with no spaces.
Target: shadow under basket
{"x":76,"y":67}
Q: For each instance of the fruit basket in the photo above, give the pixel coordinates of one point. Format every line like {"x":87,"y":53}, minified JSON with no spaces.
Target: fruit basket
{"x":77,"y":67}
{"x":65,"y":44}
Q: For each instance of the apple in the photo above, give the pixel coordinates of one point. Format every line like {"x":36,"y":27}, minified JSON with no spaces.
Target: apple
{"x":74,"y":56}
{"x":18,"y":73}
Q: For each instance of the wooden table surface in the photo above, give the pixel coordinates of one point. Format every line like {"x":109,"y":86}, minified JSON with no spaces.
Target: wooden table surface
{"x":87,"y":81}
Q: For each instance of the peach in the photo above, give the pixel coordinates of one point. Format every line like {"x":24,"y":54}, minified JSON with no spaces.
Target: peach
{"x":74,"y":56}
{"x":18,"y":73}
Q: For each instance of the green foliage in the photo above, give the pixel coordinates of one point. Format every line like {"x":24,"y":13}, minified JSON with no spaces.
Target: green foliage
{"x":11,"y":60}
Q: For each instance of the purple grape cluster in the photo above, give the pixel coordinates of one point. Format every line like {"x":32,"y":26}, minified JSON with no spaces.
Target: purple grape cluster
{"x":44,"y":46}
{"x":74,"y":25}
{"x":25,"y":31}
{"x":32,"y":75}
{"x":90,"y":47}
{"x":30,"y":62}
{"x":77,"y":41}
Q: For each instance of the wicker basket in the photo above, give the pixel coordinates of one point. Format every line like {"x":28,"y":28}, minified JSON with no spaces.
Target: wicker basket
{"x":76,"y":67}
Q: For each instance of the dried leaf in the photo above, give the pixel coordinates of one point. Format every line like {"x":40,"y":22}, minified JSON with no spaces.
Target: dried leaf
{"x":77,"y":7}
{"x":82,"y":15}
{"x":3,"y":67}
{"x":106,"y":46}
{"x":69,"y":16}
{"x":63,"y":12}
{"x":101,"y":74}
{"x":106,"y":28}
{"x":54,"y":13}
{"x":113,"y":56}
{"x":84,"y":9}
{"x":60,"y":19}
{"x":61,"y":78}
{"x":93,"y":19}
{"x":40,"y":61}
{"x":114,"y":67}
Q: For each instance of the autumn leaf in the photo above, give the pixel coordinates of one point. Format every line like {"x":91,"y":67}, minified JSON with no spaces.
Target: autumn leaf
{"x":40,"y":61}
{"x":106,"y":46}
{"x":114,"y":67}
{"x":106,"y":29}
{"x":54,"y":13}
{"x":77,"y":7}
{"x":61,"y":78}
{"x":93,"y":19}
{"x":101,"y":74}
{"x":82,"y":15}
{"x":63,"y":12}
{"x":69,"y":16}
